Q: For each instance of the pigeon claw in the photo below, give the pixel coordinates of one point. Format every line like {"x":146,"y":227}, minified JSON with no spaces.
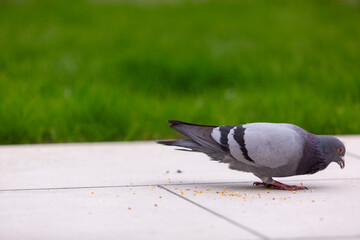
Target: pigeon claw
{"x":280,"y":186}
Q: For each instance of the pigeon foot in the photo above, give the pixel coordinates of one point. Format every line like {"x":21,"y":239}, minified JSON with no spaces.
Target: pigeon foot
{"x":279,"y":185}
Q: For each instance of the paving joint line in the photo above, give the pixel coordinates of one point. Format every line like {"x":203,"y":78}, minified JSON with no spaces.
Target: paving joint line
{"x":162,"y":184}
{"x":243,"y":227}
{"x":71,"y":188}
{"x":353,"y":155}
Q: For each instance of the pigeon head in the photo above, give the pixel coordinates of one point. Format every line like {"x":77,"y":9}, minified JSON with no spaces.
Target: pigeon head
{"x":333,"y":149}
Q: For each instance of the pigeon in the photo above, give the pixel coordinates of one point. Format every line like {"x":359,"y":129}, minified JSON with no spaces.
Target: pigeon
{"x":265,"y":149}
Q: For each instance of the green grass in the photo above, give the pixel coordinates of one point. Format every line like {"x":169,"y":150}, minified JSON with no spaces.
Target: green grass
{"x":102,"y":71}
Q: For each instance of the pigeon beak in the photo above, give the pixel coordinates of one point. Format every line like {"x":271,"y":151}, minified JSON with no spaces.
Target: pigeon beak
{"x":341,"y":162}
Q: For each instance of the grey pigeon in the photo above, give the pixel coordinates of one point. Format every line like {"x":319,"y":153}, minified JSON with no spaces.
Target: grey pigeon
{"x":265,"y":149}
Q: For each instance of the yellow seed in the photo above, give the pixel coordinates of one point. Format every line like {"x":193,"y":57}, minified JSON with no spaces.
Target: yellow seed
{"x":134,"y":193}
{"x":117,"y":195}
{"x":92,"y":192}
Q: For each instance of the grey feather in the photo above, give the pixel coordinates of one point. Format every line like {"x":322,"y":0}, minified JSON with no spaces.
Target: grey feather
{"x":195,"y":147}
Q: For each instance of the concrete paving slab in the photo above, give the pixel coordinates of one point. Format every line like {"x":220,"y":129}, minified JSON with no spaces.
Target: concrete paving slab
{"x":66,"y":165}
{"x":329,"y":209}
{"x":108,"y":213}
{"x":113,"y":164}
{"x":45,"y":191}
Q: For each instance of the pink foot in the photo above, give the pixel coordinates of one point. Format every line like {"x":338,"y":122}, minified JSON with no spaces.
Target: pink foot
{"x":279,"y":185}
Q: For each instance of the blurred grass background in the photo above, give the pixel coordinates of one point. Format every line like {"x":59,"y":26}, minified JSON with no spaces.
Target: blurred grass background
{"x":117,"y":70}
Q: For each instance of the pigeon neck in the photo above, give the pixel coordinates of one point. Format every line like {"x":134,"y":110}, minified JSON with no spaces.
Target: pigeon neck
{"x":320,"y":155}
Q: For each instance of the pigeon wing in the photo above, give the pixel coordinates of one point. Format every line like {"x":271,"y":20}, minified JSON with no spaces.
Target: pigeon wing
{"x":273,"y":145}
{"x":261,"y":144}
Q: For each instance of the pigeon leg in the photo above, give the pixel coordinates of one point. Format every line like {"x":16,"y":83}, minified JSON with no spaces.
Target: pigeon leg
{"x":279,"y":185}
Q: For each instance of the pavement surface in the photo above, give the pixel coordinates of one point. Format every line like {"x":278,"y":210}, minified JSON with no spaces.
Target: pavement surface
{"x":142,"y":190}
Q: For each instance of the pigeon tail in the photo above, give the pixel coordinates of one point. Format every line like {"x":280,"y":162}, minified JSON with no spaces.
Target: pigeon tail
{"x":201,"y":134}
{"x":186,"y":143}
{"x":195,"y":147}
{"x":174,"y":123}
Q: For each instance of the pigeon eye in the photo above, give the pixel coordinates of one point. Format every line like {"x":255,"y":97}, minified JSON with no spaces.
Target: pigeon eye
{"x":340,"y":150}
